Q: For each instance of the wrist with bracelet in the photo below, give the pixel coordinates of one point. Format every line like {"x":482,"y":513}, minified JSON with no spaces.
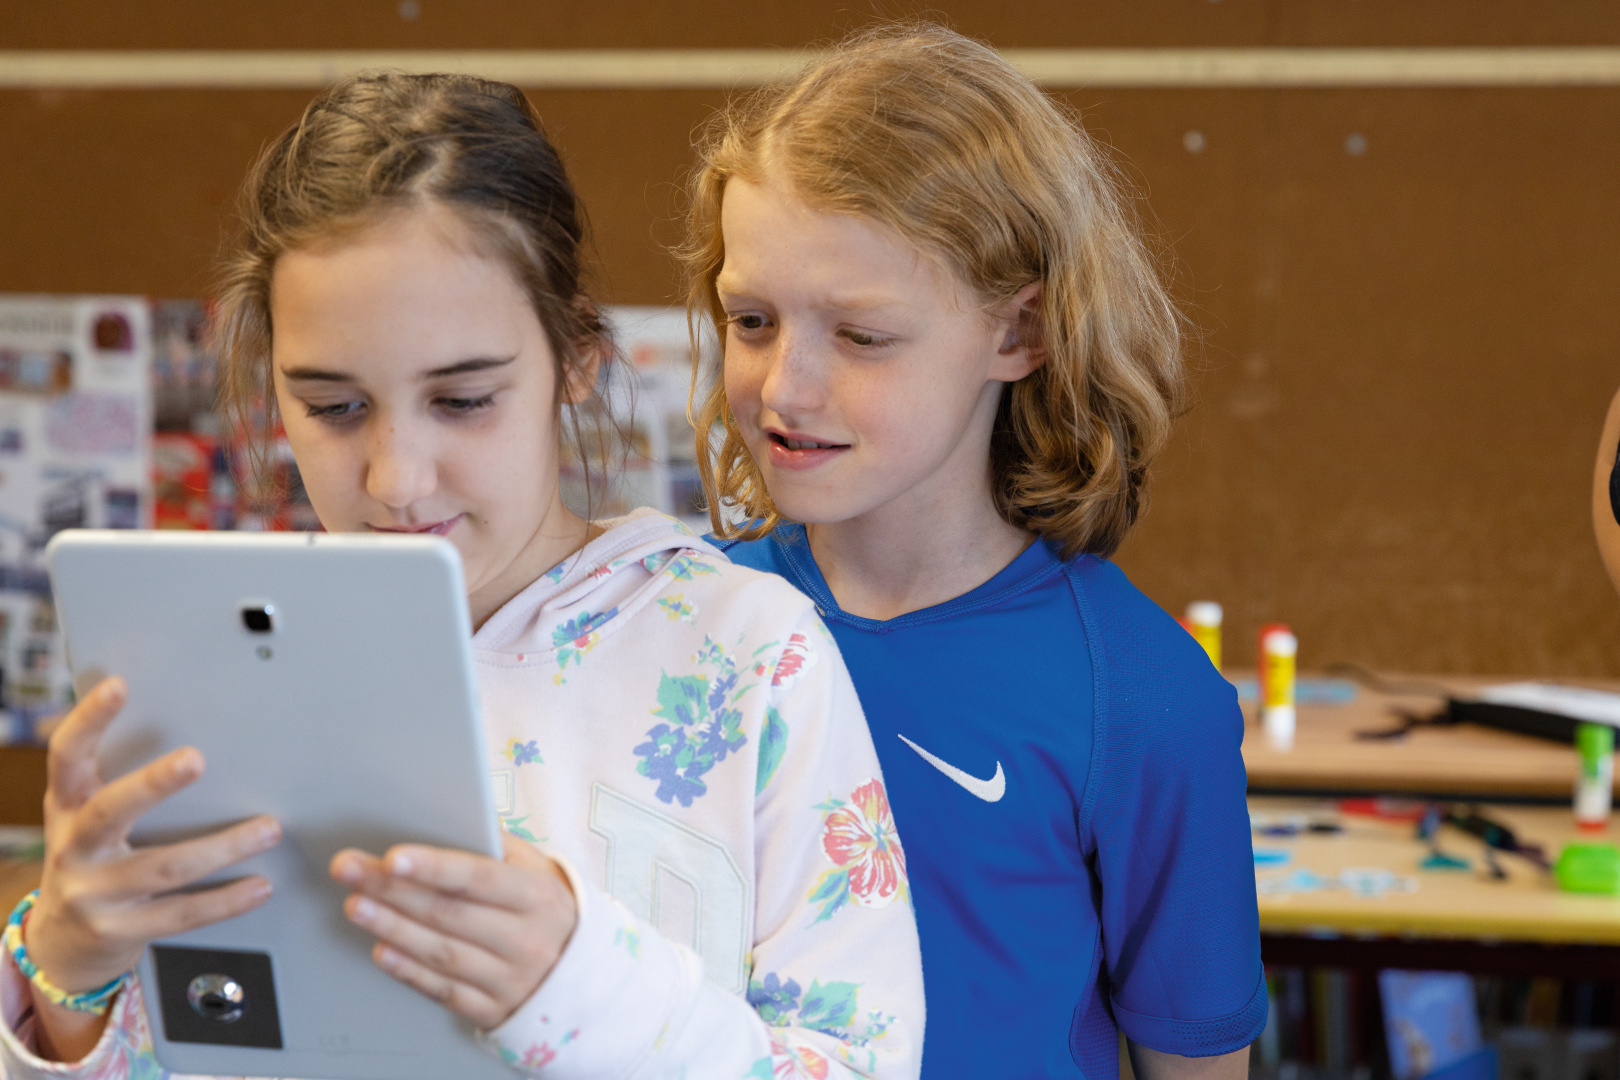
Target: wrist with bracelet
{"x":96,"y":1002}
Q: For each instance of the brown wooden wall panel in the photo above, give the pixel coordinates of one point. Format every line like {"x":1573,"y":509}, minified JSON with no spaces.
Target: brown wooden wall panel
{"x":1404,"y":385}
{"x":518,"y":24}
{"x":506,"y":24}
{"x":131,"y":191}
{"x":1405,"y":353}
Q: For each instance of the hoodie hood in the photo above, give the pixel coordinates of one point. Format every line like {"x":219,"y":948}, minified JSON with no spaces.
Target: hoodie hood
{"x":591,"y":593}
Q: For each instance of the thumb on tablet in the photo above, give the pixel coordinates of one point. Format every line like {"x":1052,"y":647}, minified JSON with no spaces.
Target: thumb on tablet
{"x":522,"y":853}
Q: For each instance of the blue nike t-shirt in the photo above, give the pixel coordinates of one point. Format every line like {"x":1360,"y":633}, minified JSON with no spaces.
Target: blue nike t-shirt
{"x":1065,"y":771}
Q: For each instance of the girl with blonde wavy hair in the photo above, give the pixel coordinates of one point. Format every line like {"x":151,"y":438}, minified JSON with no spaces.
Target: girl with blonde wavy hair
{"x":948,"y":364}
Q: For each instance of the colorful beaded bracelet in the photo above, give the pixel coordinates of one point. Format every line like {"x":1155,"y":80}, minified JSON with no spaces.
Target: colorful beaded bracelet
{"x":95,"y":1002}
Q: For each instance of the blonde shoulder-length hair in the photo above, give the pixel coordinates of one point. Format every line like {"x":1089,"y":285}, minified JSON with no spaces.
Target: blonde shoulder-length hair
{"x":938,"y":138}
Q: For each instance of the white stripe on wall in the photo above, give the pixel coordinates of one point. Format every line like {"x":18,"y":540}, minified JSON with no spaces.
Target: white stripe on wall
{"x":673,"y":68}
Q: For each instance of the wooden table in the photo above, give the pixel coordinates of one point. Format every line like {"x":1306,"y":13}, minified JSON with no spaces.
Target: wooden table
{"x":1527,"y":906}
{"x":1429,"y":918}
{"x":1464,"y":760}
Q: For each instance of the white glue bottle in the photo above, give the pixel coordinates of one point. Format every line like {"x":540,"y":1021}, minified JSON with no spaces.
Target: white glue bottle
{"x":1278,"y":650}
{"x":1204,"y":622}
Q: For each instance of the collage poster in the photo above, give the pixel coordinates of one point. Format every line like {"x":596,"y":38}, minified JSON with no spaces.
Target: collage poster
{"x":75,"y":452}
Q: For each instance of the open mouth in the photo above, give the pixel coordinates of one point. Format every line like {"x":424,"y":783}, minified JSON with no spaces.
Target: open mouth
{"x":804,"y":444}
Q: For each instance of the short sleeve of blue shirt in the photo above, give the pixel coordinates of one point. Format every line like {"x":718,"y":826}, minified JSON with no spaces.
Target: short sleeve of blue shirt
{"x":1065,"y":771}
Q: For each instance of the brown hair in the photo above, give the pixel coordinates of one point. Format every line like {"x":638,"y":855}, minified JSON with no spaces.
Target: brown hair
{"x":938,"y":138}
{"x":379,"y":142}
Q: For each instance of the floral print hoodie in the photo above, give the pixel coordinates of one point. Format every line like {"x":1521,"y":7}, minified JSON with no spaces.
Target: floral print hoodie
{"x":681,"y":734}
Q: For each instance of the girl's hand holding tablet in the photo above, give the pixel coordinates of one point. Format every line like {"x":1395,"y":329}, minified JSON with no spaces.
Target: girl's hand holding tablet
{"x":101,"y":901}
{"x":476,"y":935}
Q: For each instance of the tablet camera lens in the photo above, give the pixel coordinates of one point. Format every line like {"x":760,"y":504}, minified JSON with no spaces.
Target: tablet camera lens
{"x":257,"y":619}
{"x":217,"y":997}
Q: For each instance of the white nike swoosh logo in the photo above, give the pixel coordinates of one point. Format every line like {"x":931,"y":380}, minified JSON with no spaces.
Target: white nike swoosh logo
{"x":990,"y":790}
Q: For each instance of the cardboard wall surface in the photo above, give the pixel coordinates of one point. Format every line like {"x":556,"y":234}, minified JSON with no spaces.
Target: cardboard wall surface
{"x":1405,"y":352}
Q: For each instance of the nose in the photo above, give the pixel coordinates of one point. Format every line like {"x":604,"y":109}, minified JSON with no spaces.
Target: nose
{"x":399,"y":466}
{"x":792,"y":383}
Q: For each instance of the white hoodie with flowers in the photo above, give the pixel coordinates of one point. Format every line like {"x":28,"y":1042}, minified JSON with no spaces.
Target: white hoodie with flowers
{"x":681,"y":734}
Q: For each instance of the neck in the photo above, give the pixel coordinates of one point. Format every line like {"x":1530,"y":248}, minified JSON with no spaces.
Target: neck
{"x":915,"y":553}
{"x":561,"y":532}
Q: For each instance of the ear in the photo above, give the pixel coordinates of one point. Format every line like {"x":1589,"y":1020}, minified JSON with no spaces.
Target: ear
{"x":579,"y":382}
{"x":1023,"y":345}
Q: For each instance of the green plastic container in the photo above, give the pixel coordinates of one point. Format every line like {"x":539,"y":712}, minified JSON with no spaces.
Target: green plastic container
{"x":1589,"y":868}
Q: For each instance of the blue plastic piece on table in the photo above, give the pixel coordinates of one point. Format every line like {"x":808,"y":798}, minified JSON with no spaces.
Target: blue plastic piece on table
{"x":1306,"y":691}
{"x":1271,"y":856}
{"x":1439,"y":860}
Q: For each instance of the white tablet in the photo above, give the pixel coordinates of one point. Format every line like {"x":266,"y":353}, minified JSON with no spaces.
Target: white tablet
{"x":328,"y":681}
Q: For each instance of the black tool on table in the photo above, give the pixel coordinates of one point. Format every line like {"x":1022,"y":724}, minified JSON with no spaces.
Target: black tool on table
{"x":1495,"y":835}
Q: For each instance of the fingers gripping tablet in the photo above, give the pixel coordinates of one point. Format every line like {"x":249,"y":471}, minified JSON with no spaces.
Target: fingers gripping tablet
{"x":321,"y":686}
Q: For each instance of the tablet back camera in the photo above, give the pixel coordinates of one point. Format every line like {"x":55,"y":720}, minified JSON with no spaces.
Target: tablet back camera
{"x":260,"y":619}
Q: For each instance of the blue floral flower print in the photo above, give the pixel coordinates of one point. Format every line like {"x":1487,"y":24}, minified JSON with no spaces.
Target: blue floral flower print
{"x":703,"y":725}
{"x":576,"y":637}
{"x":831,"y":1008}
{"x":521,"y":753}
{"x":775,"y":1001}
{"x":678,"y":608}
{"x":685,"y":567}
{"x":682,"y":566}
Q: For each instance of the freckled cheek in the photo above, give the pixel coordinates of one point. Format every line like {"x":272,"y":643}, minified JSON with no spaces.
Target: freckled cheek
{"x":868,"y":406}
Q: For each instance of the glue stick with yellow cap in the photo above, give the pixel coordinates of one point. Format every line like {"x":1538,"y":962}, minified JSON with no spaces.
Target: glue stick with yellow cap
{"x":1204,"y":620}
{"x":1260,"y":644}
{"x":1278,"y":651}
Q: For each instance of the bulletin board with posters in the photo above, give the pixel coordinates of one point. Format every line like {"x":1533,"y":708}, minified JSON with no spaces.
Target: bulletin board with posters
{"x":75,"y":418}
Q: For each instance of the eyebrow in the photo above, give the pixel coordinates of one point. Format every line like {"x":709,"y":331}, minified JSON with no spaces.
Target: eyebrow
{"x":461,"y":367}
{"x":862,"y":303}
{"x":868,"y":302}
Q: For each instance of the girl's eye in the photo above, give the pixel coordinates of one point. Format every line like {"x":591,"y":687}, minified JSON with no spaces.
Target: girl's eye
{"x":462,"y":405}
{"x":343,"y":410}
{"x":748,"y":320}
{"x":864,"y":339}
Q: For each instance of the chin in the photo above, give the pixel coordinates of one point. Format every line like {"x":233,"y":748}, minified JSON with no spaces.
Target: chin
{"x":817,"y":509}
